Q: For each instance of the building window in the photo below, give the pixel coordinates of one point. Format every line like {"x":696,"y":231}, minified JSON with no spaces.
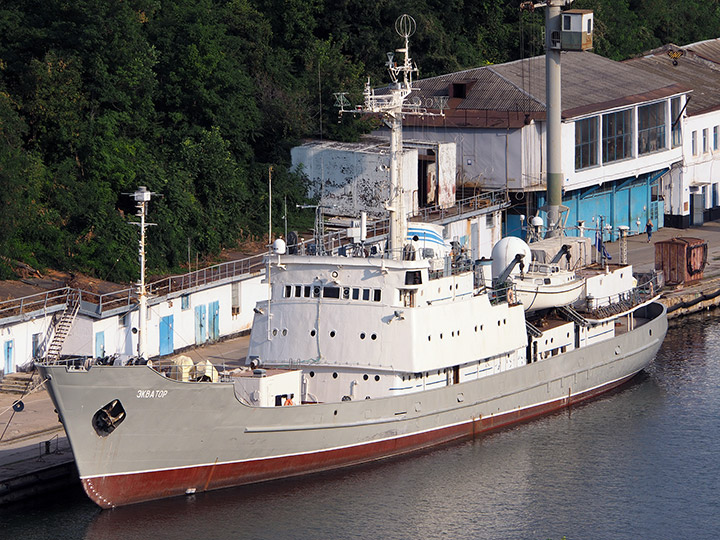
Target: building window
{"x":705,"y":141}
{"x":693,"y":141}
{"x":617,"y":135}
{"x":651,"y":128}
{"x":586,"y":143}
{"x":185,"y":302}
{"x":715,"y":138}
{"x":675,"y":119}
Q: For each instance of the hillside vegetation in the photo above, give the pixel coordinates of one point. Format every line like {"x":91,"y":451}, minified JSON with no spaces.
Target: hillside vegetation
{"x":196,"y":99}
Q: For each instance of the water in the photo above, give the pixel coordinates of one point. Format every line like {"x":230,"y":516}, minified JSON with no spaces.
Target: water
{"x":641,"y":462}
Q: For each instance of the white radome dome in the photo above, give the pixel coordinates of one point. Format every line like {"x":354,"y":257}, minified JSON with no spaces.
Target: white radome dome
{"x":279,"y":247}
{"x":504,"y":252}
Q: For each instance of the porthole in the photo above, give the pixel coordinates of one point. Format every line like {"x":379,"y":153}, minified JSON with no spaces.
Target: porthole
{"x":452,"y":334}
{"x":428,"y":338}
{"x":335,"y":375}
{"x":651,"y":332}
{"x":365,"y":377}
{"x":362,"y":335}
{"x":373,"y":336}
{"x":312,"y":332}
{"x":440,"y":335}
{"x":504,"y":321}
{"x":332,"y":333}
{"x":377,"y":378}
{"x":312,"y":373}
{"x":458,"y":333}
{"x":476,"y":327}
{"x":316,"y":291}
{"x":498,"y":323}
{"x":284,"y":332}
{"x":275,"y":332}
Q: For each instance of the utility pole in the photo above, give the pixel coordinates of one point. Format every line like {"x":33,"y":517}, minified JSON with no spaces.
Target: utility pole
{"x":554,"y":115}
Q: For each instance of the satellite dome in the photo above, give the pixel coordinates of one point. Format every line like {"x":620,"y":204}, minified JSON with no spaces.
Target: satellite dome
{"x":503,"y":253}
{"x":278,"y":247}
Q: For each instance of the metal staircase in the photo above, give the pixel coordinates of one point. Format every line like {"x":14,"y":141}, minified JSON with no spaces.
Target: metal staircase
{"x":63,"y":327}
{"x":573,"y":315}
{"x":533,"y":330}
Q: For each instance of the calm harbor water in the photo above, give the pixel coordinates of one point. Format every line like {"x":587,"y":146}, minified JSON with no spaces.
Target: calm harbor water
{"x":642,"y":462}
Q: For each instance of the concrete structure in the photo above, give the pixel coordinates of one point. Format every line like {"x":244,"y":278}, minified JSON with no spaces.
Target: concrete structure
{"x":348,"y":178}
{"x":690,"y":191}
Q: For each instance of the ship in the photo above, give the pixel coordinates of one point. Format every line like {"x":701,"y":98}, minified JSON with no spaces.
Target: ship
{"x":358,"y":355}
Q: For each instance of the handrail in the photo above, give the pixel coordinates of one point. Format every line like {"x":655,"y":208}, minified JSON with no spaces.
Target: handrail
{"x":127,"y":297}
{"x":486,"y":199}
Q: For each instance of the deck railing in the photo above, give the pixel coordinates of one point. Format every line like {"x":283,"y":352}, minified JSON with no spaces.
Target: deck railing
{"x":469,"y":205}
{"x":99,"y":303}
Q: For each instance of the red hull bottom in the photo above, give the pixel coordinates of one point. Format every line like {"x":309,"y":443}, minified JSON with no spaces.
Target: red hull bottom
{"x":123,"y":489}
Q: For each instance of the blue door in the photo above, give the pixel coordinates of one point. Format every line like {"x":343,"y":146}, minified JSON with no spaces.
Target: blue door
{"x":214,"y":327}
{"x":8,"y":355}
{"x":200,"y":324}
{"x":166,"y":335}
{"x":100,"y":345}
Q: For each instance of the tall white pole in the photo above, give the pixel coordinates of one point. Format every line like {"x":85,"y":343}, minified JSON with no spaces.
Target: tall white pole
{"x":142,"y":198}
{"x":398,"y":225}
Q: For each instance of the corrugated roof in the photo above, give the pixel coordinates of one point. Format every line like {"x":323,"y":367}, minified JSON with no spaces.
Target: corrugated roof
{"x":506,"y":95}
{"x":698,"y":68}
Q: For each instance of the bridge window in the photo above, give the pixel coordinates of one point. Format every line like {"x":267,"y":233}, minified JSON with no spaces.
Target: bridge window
{"x":331,"y":292}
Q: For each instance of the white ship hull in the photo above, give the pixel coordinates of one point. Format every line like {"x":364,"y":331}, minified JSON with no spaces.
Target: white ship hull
{"x":180,"y":437}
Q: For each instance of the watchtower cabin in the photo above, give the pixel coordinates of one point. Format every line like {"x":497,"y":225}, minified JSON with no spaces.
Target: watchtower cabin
{"x":577,"y":30}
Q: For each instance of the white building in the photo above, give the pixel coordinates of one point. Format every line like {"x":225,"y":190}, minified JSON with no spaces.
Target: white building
{"x":183,"y":311}
{"x":619,"y":139}
{"x":349,"y":178}
{"x":691,"y":196}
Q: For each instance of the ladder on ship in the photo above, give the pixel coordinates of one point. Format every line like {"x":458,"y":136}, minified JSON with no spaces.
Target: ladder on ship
{"x":573,"y":315}
{"x":63,"y":327}
{"x":533,"y":330}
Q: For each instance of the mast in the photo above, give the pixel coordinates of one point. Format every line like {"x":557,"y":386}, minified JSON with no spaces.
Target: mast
{"x":392,"y":106}
{"x":142,"y":198}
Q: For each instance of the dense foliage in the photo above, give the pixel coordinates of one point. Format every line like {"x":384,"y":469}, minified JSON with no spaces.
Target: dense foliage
{"x":196,"y":99}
